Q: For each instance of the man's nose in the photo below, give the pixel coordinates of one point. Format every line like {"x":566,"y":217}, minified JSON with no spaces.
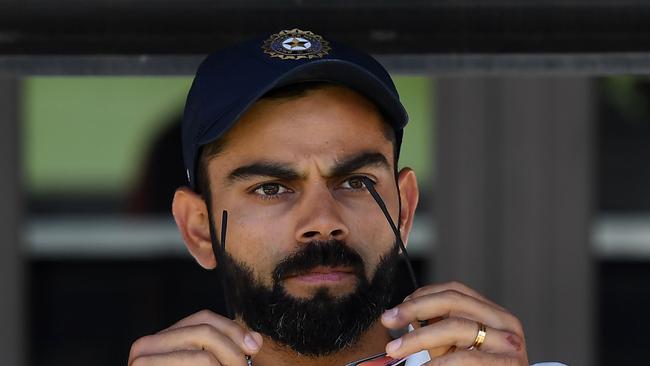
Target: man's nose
{"x":319,"y":217}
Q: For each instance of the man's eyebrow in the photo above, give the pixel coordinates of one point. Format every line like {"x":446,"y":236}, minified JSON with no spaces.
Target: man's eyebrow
{"x":358,"y":161}
{"x":264,"y":169}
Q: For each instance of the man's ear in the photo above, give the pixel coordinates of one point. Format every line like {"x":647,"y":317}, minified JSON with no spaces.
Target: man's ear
{"x":191,"y":215}
{"x":409,"y":195}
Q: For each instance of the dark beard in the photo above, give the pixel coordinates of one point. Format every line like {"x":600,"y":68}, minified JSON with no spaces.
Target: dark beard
{"x":320,"y":325}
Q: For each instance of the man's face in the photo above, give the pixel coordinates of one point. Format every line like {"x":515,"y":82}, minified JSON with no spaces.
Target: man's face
{"x":288,"y":176}
{"x":309,"y":254}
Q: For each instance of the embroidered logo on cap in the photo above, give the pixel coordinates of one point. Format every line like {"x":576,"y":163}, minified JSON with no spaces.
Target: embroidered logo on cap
{"x":296,"y":44}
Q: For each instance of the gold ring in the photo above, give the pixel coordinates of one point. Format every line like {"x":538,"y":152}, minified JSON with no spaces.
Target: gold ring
{"x":480,"y":337}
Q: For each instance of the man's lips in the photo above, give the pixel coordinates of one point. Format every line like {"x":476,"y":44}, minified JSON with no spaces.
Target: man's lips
{"x":324,"y":274}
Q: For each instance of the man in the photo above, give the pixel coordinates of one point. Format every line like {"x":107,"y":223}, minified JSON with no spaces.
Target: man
{"x":293,"y":142}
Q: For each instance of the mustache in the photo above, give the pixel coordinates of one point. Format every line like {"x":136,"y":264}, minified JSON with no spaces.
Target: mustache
{"x":330,"y":253}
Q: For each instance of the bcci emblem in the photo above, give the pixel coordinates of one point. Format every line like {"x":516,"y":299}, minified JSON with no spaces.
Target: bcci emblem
{"x":296,"y":44}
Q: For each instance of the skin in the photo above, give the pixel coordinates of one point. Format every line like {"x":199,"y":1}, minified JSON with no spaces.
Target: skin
{"x":272,"y":215}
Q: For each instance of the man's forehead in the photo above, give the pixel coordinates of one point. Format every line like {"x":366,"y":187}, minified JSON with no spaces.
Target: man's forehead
{"x":326,"y":118}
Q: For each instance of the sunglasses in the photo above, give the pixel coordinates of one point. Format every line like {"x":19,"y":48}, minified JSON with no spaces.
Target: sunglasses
{"x":380,"y":359}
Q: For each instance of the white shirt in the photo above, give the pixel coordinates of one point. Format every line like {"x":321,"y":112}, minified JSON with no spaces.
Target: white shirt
{"x":422,"y":357}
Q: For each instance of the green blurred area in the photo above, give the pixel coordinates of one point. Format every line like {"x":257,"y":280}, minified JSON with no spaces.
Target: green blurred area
{"x":416,"y":93}
{"x":91,"y":134}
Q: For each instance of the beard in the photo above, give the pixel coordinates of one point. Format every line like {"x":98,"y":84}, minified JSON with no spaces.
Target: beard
{"x":316,"y":326}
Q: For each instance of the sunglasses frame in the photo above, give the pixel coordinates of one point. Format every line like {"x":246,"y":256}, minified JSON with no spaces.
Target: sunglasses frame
{"x":372,"y":358}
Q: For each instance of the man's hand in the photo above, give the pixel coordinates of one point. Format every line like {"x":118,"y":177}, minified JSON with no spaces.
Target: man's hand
{"x":452,"y":312}
{"x":203,"y":338}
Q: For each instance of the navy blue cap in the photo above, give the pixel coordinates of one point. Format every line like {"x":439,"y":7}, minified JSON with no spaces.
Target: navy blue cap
{"x":230,"y":80}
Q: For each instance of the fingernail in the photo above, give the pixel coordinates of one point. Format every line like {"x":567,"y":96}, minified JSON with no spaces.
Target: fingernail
{"x":394,"y":345}
{"x":258,"y":337}
{"x":390,"y":314}
{"x":251,"y":343}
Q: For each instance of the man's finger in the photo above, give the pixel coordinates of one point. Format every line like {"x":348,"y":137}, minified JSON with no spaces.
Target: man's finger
{"x":449,"y":303}
{"x":249,"y":341}
{"x":178,"y":358}
{"x":202,"y":337}
{"x":456,"y":286}
{"x":457,"y":332}
{"x":202,"y":317}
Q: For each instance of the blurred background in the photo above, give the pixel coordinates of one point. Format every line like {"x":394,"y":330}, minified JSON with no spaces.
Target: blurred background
{"x":530,"y":134}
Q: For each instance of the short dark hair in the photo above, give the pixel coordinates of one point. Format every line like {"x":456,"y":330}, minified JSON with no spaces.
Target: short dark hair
{"x":291,"y":91}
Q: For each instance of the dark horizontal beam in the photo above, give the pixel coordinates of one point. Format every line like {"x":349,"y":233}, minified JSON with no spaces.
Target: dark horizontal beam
{"x":414,"y":27}
{"x":428,"y":64}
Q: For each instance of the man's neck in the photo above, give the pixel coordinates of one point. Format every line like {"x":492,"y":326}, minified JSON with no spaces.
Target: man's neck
{"x":371,"y":342}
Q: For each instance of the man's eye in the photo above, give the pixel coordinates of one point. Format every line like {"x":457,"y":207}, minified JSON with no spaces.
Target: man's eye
{"x":271,"y":189}
{"x":353,"y":183}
